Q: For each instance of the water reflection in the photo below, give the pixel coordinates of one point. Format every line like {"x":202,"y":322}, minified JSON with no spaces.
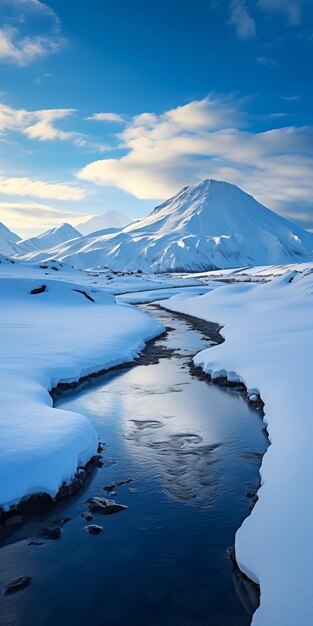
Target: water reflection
{"x":187,"y":446}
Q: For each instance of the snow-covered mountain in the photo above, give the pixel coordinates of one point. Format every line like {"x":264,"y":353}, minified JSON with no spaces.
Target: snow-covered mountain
{"x":207,"y":226}
{"x":110,"y":219}
{"x":8,"y":240}
{"x":48,"y":239}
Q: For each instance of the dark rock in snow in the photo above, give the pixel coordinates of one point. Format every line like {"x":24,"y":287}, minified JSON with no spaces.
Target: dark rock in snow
{"x":35,"y":504}
{"x":33,"y":541}
{"x":50,"y":533}
{"x":104,"y":506}
{"x":94,"y":529}
{"x":61,"y":521}
{"x":84,"y":293}
{"x":13,"y":522}
{"x":17,"y":584}
{"x":248,"y":591}
{"x":40,"y":289}
{"x":117,"y":483}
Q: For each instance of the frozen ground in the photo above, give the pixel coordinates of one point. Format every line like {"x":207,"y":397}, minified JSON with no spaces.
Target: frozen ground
{"x":268,"y":345}
{"x":54,"y":334}
{"x":59,"y":335}
{"x":261,"y":273}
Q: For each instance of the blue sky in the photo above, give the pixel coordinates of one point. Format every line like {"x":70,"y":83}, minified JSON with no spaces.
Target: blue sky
{"x":119,"y":104}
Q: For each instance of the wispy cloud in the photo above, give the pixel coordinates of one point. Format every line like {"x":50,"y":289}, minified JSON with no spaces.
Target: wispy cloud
{"x":241,"y":19}
{"x":208,"y":138}
{"x":245,"y":16}
{"x":107,"y":117}
{"x":18,"y":44}
{"x":41,"y":125}
{"x":35,"y":124}
{"x":24,"y":50}
{"x":21,"y":186}
{"x":32,"y":6}
{"x":265,"y":61}
{"x":45,"y":130}
{"x":28,"y":218}
{"x":291,"y":8}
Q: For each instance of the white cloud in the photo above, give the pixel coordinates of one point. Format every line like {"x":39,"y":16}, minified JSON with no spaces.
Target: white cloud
{"x":12,"y":119}
{"x":19,"y":47}
{"x":32,"y":6}
{"x":29,"y":218}
{"x":41,"y":125}
{"x":44,"y":129}
{"x":266,"y":62}
{"x":292,"y":8}
{"x":241,"y":19}
{"x":41,"y":189}
{"x":107,"y":117}
{"x":185,"y":145}
{"x":24,"y":50}
{"x":38,"y":124}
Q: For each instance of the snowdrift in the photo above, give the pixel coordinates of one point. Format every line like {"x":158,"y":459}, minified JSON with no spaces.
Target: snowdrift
{"x":53,"y":331}
{"x":268,"y":345}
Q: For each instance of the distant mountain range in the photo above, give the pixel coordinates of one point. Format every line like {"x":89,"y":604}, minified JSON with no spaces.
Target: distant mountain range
{"x":48,"y":239}
{"x":211,"y":225}
{"x":109,"y":220}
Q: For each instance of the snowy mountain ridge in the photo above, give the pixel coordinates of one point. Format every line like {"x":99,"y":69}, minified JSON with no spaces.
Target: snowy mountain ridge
{"x":109,"y":220}
{"x":8,"y":239}
{"x":48,"y":239}
{"x":211,"y":225}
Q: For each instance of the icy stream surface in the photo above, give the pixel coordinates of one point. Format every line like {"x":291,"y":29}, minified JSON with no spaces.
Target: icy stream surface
{"x":193,"y":451}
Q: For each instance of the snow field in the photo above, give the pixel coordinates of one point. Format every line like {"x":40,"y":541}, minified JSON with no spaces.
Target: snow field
{"x":268,"y":332}
{"x":57,"y":335}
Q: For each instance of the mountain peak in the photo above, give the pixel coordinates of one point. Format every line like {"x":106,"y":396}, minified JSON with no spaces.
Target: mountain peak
{"x":8,"y":240}
{"x":209,"y":187}
{"x":212,"y":224}
{"x":65,"y":227}
{"x":108,"y":220}
{"x":8,"y":233}
{"x":50,"y":238}
{"x":211,"y":184}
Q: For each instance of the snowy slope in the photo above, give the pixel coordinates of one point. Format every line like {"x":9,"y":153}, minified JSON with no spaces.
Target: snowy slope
{"x":56,"y":335}
{"x":8,"y":240}
{"x":210,"y":225}
{"x":268,"y":345}
{"x":48,"y":239}
{"x":65,"y":250}
{"x":109,"y":219}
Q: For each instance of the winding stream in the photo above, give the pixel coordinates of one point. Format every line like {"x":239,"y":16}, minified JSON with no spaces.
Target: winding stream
{"x":193,"y":451}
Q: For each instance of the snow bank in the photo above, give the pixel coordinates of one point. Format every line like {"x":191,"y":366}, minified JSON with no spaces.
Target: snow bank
{"x":261,"y":273}
{"x":143,"y":297}
{"x":61,"y":331}
{"x":268,"y":334}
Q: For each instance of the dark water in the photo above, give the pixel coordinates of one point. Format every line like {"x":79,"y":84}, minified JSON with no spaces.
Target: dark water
{"x":189,"y":447}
